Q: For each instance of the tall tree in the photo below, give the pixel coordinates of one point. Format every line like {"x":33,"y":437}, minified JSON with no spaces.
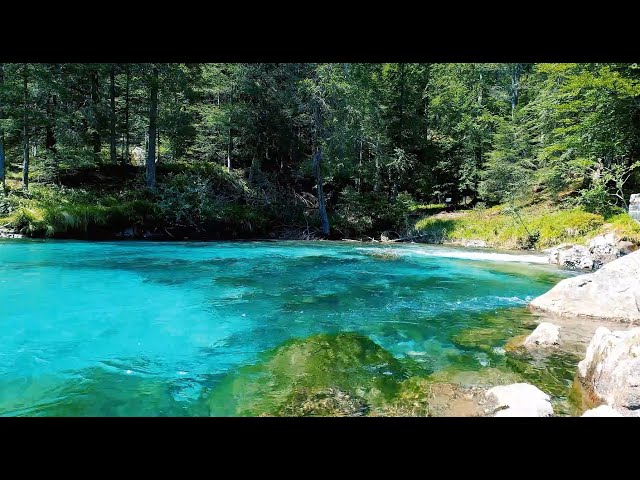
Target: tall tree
{"x":153,"y":119}
{"x":25,"y":127}
{"x":2,"y":167}
{"x":112,"y":116}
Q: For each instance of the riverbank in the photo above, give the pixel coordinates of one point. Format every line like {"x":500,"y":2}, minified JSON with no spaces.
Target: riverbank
{"x":534,"y":227}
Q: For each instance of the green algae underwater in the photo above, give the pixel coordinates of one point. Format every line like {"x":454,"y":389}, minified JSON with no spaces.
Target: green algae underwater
{"x":265,"y":328}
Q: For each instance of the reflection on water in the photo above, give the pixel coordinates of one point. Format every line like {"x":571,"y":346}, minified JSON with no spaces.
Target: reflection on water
{"x":137,"y":328}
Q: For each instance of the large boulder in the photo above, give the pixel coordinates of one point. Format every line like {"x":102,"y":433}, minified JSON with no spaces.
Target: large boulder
{"x":610,"y":370}
{"x":611,"y":293}
{"x":545,"y":335}
{"x":604,"y":249}
{"x":602,"y":411}
{"x":575,"y":257}
{"x":520,"y":400}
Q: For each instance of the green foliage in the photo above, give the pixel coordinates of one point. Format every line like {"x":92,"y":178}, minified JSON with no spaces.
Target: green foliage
{"x":538,"y":227}
{"x":235,"y":141}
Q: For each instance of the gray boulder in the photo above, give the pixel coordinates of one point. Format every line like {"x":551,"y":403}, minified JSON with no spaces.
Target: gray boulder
{"x":545,"y":335}
{"x":625,"y":247}
{"x":571,"y":256}
{"x":519,"y":400}
{"x":610,"y":370}
{"x":603,"y":249}
{"x":611,"y":293}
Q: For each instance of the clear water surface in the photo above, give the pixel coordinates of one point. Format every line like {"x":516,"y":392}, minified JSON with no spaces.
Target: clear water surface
{"x":141,"y":328}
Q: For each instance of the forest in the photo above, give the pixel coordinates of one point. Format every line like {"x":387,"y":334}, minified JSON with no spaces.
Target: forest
{"x":316,"y":150}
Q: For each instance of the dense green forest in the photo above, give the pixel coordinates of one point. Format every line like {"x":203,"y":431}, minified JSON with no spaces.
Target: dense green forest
{"x":303,"y":150}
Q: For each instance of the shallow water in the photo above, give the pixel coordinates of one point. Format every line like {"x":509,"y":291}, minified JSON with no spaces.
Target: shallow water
{"x":141,"y":328}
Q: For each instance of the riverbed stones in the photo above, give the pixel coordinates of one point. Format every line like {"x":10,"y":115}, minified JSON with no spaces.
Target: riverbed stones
{"x":545,"y":335}
{"x":520,"y":400}
{"x":602,"y":411}
{"x":4,"y":233}
{"x":610,"y":370}
{"x":611,"y":293}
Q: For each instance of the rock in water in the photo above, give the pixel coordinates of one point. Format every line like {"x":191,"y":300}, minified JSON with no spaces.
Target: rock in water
{"x":571,"y":256}
{"x":602,"y":411}
{"x":611,"y":293}
{"x":545,"y":335}
{"x":611,"y":369}
{"x":520,"y":400}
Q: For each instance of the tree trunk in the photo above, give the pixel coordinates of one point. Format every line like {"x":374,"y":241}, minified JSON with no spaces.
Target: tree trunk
{"x":126,"y":118}
{"x":516,"y":72}
{"x":229,"y":148}
{"x":317,"y":170}
{"x":112,"y":117}
{"x":95,"y":99}
{"x":360,"y":164}
{"x":230,"y":142}
{"x":153,"y":119}
{"x":25,"y":129}
{"x":317,"y":160}
{"x":2,"y":179}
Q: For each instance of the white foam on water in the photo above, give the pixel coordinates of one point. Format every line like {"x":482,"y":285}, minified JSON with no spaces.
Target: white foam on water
{"x":484,"y":256}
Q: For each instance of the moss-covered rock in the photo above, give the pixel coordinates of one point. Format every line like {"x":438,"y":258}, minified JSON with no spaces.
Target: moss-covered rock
{"x":302,"y":369}
{"x":421,"y":397}
{"x":331,"y":402}
{"x":485,"y":377}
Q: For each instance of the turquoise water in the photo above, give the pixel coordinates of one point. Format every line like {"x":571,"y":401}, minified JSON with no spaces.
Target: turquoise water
{"x":140,"y":328}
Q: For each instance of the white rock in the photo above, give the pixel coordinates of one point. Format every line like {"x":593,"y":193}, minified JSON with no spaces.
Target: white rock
{"x":520,"y":400}
{"x":545,"y":335}
{"x":571,"y":256}
{"x":611,"y":293}
{"x":634,"y":206}
{"x":611,"y":368}
{"x":602,"y":411}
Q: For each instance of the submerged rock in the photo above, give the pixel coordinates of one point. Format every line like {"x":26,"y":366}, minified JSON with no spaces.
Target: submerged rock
{"x":611,"y":293}
{"x":520,"y":400}
{"x":420,"y":397}
{"x":304,"y":375}
{"x":602,"y":411}
{"x":571,"y":256}
{"x":545,"y":335}
{"x":331,"y":402}
{"x":386,"y":254}
{"x":610,"y":370}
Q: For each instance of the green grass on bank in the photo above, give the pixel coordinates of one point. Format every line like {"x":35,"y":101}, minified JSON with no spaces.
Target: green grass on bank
{"x":537,"y":226}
